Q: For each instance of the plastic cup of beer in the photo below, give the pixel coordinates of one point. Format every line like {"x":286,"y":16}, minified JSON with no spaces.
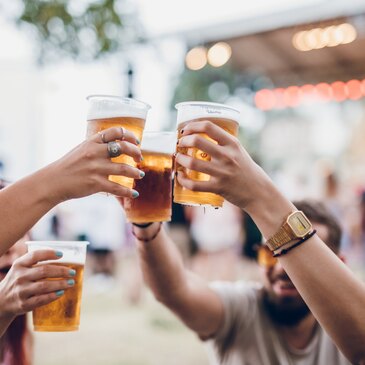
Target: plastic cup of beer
{"x":155,"y":188}
{"x":63,"y":314}
{"x":107,"y":111}
{"x":223,"y":116}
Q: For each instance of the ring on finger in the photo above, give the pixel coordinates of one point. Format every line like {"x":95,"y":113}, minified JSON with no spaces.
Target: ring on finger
{"x":114,"y":149}
{"x":102,"y":135}
{"x":123,"y":133}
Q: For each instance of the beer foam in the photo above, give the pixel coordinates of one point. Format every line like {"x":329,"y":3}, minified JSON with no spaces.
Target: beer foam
{"x":159,"y":142}
{"x":194,"y":110}
{"x":101,"y":107}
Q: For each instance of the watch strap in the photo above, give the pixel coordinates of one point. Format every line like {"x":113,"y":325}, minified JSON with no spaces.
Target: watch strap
{"x":280,"y":238}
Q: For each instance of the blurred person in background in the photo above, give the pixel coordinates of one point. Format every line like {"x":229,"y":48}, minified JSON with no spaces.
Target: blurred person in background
{"x":179,"y":228}
{"x":23,"y":287}
{"x":218,"y":236}
{"x":248,"y":322}
{"x":81,"y":172}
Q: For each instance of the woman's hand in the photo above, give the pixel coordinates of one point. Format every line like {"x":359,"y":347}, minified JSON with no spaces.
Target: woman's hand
{"x":85,"y":169}
{"x":233,"y":174}
{"x":26,"y":287}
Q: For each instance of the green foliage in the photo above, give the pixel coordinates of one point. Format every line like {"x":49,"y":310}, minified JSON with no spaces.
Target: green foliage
{"x":194,"y":85}
{"x":80,"y":29}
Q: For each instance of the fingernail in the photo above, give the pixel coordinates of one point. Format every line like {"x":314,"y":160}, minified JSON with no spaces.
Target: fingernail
{"x":135,"y":194}
{"x":71,"y":282}
{"x":72,"y":272}
{"x":141,"y":158}
{"x":60,"y":292}
{"x":58,"y":253}
{"x":138,"y":141}
{"x":141,"y":174}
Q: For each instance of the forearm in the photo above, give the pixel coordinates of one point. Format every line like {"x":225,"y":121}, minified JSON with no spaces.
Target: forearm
{"x":162,"y":265}
{"x":334,"y":295}
{"x":187,"y":295}
{"x":23,"y":204}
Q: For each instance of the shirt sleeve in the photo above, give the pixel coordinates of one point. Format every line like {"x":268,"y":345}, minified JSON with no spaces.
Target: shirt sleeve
{"x":240,"y":308}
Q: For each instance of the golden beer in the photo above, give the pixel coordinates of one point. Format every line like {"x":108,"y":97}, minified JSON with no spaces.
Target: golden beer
{"x":186,"y":196}
{"x":155,"y":190}
{"x":113,"y":111}
{"x":135,"y":125}
{"x":63,"y":314}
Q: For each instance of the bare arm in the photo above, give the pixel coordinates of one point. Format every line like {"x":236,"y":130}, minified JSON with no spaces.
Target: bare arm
{"x":187,"y":295}
{"x":334,"y":295}
{"x":81,"y":172}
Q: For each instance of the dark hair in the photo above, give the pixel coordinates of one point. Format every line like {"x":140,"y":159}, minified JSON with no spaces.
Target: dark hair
{"x":317,"y":212}
{"x":4,"y":183}
{"x":15,"y":341}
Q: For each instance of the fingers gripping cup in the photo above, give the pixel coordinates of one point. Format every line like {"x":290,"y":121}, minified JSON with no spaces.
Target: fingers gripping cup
{"x":155,"y":189}
{"x":189,"y":112}
{"x":113,"y":111}
{"x":63,"y":314}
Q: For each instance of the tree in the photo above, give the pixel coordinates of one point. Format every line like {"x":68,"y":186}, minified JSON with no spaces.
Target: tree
{"x":80,"y":29}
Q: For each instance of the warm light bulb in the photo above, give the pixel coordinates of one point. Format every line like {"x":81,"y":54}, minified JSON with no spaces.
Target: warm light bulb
{"x":196,"y":58}
{"x":349,"y":33}
{"x":219,"y":54}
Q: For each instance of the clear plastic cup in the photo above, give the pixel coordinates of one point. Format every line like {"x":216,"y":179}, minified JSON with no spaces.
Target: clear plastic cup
{"x":63,"y":314}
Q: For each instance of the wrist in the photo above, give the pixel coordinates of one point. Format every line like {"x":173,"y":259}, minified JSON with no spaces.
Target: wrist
{"x":269,"y":208}
{"x":47,"y":193}
{"x":147,"y":232}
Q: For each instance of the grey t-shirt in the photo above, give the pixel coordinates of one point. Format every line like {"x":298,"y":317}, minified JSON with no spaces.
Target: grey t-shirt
{"x":249,"y":337}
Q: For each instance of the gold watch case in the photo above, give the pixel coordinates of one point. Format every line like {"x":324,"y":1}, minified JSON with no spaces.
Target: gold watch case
{"x":299,"y":224}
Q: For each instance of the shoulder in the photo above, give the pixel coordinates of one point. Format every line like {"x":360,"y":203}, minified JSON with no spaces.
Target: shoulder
{"x":240,"y":300}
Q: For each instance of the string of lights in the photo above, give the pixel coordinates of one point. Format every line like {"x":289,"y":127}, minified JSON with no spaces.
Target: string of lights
{"x":317,"y":38}
{"x":293,"y":96}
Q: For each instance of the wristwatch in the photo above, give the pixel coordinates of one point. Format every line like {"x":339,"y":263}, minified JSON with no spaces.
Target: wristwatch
{"x":295,"y":227}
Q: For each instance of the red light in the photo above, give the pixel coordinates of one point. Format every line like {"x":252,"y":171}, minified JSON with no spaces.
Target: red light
{"x":291,"y":96}
{"x":354,"y":89}
{"x":306,"y":93}
{"x":339,"y":91}
{"x":294,"y":95}
{"x":324,"y":91}
{"x":279,"y":96}
{"x":265,"y":99}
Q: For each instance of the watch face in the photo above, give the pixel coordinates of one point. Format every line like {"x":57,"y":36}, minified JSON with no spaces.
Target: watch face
{"x":299,"y":223}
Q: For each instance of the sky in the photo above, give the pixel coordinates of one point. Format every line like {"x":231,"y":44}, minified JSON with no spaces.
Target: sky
{"x":180,"y":15}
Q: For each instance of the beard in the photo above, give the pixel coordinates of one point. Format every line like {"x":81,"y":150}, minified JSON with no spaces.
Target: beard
{"x":287,"y":311}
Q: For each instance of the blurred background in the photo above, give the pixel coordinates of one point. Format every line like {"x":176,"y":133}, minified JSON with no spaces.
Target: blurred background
{"x":295,"y":70}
